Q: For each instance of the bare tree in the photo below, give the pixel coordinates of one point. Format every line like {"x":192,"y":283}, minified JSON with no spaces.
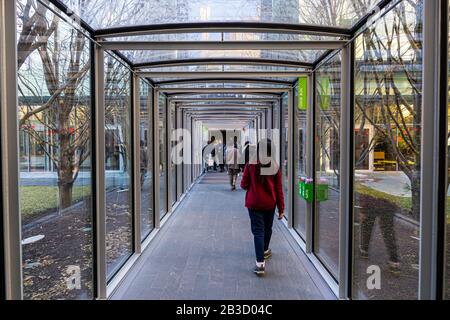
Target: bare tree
{"x":392,"y":61}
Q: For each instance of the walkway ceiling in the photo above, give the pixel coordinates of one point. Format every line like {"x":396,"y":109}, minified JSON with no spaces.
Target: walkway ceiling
{"x":225,"y":51}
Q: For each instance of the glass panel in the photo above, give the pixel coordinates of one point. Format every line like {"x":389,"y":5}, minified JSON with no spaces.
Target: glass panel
{"x":108,"y":13}
{"x":327,"y":180}
{"x":284,"y":148}
{"x":55,"y":147}
{"x":118,"y":184}
{"x":146,"y":163}
{"x":300,"y":165}
{"x":162,"y":127}
{"x":387,"y":155}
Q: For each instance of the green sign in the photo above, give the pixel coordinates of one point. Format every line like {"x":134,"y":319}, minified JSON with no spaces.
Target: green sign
{"x":302,"y":93}
{"x":325,"y":92}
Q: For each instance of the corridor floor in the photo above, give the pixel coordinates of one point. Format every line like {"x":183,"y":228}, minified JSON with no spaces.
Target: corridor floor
{"x":205,"y":251}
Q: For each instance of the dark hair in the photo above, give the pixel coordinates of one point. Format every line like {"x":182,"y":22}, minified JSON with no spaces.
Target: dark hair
{"x":264,"y":145}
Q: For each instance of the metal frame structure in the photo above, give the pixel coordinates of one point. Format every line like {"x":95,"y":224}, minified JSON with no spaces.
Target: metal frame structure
{"x":223,"y":61}
{"x":232,"y":27}
{"x":431,"y":140}
{"x":222,"y":74}
{"x":224,"y":45}
{"x":11,"y":223}
{"x":434,"y":147}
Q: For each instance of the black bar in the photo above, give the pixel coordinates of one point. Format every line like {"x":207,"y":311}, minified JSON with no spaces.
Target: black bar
{"x":2,"y":233}
{"x":70,"y":13}
{"x":381,"y":5}
{"x":443,"y":154}
{"x":324,"y":56}
{"x":260,"y":27}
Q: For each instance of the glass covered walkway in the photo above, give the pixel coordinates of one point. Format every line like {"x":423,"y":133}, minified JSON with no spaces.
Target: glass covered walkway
{"x":208,"y":256}
{"x":115,"y":121}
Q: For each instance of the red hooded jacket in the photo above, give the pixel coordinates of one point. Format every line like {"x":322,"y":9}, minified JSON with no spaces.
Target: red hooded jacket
{"x":260,"y":196}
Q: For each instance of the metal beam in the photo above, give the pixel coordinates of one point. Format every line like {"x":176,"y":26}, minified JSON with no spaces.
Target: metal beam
{"x":430,"y":164}
{"x":225,"y":99}
{"x":225,"y":106}
{"x":224,"y":80}
{"x":224,"y":61}
{"x":156,"y":160}
{"x":220,"y":27}
{"x":100,"y":197}
{"x":136,"y":151}
{"x":223,"y":74}
{"x":265,"y":95}
{"x":11,"y":223}
{"x":223,"y":90}
{"x":346,"y":171}
{"x":223,"y":45}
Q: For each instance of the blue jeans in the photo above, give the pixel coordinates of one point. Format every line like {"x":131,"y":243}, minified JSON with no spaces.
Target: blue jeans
{"x":262,"y":222}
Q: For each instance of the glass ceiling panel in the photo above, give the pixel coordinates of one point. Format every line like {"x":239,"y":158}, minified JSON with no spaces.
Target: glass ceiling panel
{"x":102,"y":14}
{"x":140,"y":56}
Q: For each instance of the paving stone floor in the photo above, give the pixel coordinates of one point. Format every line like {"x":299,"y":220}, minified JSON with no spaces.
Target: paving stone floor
{"x":205,"y":251}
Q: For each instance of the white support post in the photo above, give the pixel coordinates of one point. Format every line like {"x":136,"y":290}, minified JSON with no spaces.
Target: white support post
{"x":430,"y":149}
{"x":169,"y":164}
{"x":290,"y":157}
{"x":11,"y":232}
{"x":310,"y":161}
{"x":156,"y":173}
{"x":100,"y":202}
{"x":137,"y":163}
{"x":345,"y":170}
{"x":180,"y":167}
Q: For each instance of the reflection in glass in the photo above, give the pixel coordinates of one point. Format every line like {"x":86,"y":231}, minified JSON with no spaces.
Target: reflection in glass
{"x":118,"y":186}
{"x":327,"y":179}
{"x":341,"y":13}
{"x":387,"y":154}
{"x":146,"y":163}
{"x":162,"y":127}
{"x":300,"y":165}
{"x":55,"y":168}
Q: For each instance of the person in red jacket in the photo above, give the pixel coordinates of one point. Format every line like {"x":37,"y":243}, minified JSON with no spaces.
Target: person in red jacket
{"x":263,"y":182}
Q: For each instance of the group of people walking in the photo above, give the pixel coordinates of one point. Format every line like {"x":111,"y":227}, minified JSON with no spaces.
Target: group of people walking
{"x":262,"y":181}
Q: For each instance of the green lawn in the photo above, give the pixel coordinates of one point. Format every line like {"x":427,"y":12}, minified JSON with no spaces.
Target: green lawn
{"x":401,"y":202}
{"x":37,"y":199}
